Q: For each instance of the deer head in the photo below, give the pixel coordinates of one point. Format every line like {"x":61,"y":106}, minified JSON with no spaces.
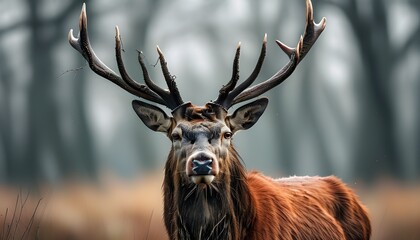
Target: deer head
{"x":202,"y":153}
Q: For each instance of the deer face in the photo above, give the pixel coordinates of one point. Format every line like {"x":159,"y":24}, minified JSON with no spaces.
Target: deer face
{"x":201,"y":135}
{"x":200,"y":148}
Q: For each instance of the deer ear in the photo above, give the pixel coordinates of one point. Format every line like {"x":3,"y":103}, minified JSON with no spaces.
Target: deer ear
{"x":152,"y":116}
{"x":247,"y":115}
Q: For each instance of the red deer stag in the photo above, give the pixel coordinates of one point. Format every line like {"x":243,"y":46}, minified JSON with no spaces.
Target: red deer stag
{"x":208,"y":194}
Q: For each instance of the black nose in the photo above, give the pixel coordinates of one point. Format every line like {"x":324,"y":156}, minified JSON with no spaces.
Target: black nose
{"x":202,"y":167}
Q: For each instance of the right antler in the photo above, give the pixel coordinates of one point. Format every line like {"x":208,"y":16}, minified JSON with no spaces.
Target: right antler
{"x":170,"y":98}
{"x":229,"y":95}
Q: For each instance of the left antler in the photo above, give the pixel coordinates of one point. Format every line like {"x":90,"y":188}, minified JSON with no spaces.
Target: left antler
{"x":170,"y":98}
{"x":229,"y":95}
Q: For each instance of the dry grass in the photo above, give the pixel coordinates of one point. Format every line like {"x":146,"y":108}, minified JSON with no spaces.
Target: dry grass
{"x":121,"y":210}
{"x":395,"y":210}
{"x":114,"y":210}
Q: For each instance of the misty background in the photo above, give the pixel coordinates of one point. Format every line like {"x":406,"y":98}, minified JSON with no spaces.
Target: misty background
{"x":350,"y":108}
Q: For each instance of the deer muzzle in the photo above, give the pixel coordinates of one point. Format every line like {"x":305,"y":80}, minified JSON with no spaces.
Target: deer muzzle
{"x":202,"y":167}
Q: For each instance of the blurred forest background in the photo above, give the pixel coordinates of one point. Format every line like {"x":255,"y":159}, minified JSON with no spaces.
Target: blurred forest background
{"x":350,"y":109}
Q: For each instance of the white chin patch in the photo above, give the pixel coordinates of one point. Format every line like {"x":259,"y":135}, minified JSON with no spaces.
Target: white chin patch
{"x":197,"y":179}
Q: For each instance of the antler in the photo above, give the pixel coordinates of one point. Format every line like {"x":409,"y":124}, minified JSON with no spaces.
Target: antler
{"x":170,"y":98}
{"x":229,"y":95}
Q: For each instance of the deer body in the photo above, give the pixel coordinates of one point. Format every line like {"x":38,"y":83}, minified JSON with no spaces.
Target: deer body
{"x":287,"y":208}
{"x":208,"y":194}
{"x":242,"y":205}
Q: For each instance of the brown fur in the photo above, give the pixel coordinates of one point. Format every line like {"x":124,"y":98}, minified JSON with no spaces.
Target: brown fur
{"x":245,"y":205}
{"x":305,"y":208}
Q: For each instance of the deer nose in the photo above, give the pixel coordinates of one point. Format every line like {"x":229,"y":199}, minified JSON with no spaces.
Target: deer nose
{"x":202,"y":167}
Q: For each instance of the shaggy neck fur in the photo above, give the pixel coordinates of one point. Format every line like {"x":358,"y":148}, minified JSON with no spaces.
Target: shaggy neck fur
{"x":219,"y":211}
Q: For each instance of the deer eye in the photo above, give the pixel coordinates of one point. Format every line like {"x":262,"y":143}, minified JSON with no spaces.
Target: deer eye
{"x":176,"y":137}
{"x":227,"y":135}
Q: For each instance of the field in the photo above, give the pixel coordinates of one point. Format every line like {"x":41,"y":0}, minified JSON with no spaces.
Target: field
{"x":133,"y":210}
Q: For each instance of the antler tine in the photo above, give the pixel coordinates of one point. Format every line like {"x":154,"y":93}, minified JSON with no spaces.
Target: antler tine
{"x":82,"y":45}
{"x":173,"y":89}
{"x":312,"y":32}
{"x":224,"y":92}
{"x":163,"y":93}
{"x":227,"y":101}
{"x":254,"y":73}
{"x":127,"y":79}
